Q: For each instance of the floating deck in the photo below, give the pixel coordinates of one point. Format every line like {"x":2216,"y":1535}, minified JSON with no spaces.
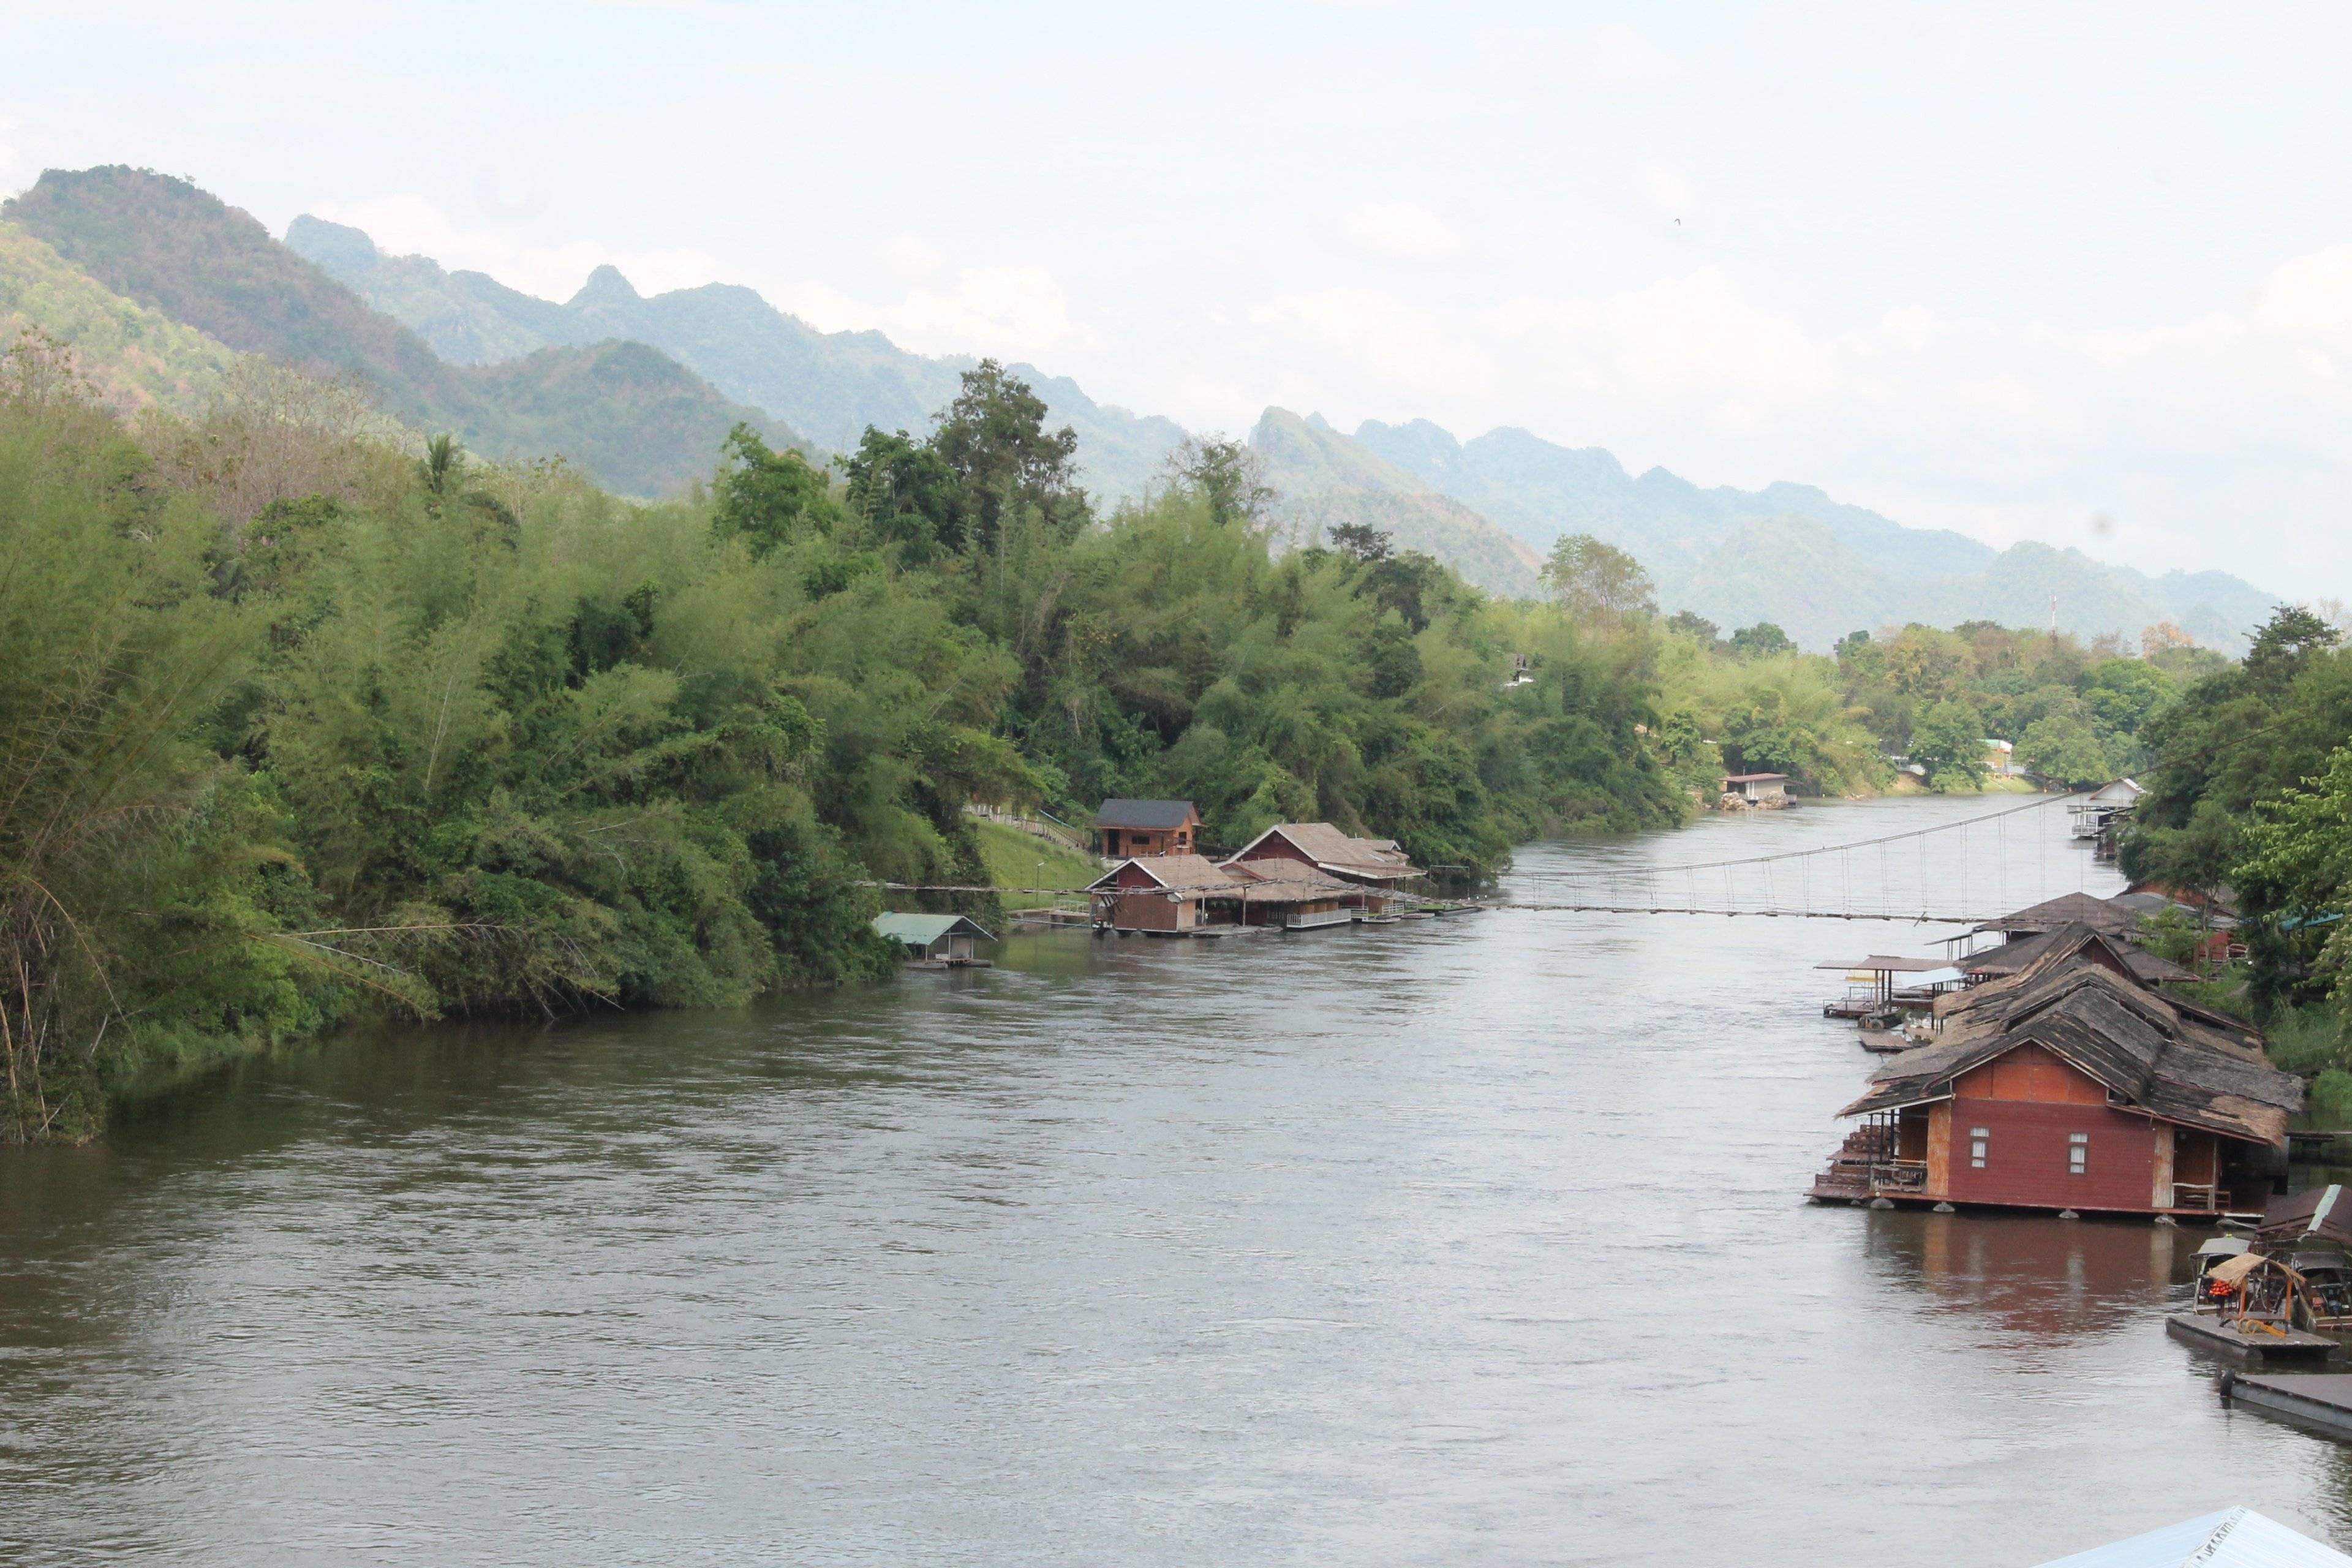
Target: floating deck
{"x":2223,"y":1337}
{"x":2322,"y":1399}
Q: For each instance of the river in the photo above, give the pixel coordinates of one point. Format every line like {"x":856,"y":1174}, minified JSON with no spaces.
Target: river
{"x":1471,"y":1240}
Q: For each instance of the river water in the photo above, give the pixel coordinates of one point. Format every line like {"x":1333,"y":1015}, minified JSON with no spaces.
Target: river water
{"x":1472,"y":1240}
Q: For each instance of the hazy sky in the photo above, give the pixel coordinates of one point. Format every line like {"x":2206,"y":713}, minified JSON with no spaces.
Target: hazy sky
{"x":2074,"y":272}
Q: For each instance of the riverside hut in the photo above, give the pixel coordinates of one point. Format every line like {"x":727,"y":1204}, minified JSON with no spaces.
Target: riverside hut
{"x":2067,"y":908}
{"x":1292,"y":895}
{"x":1374,"y":869}
{"x":2074,"y":1086}
{"x":934,"y":939}
{"x":2096,"y":814}
{"x":1167,"y":895}
{"x":1129,"y":829}
{"x":1765,"y":791}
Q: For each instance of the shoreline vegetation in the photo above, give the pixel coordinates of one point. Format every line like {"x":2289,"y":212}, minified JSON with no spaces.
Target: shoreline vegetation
{"x":306,"y":718}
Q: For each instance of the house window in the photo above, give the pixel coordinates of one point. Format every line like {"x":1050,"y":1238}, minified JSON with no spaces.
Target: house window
{"x":1979,"y":1139}
{"x":2078,"y":1152}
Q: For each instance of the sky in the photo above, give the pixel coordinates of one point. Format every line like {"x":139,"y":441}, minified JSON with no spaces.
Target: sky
{"x":2078,"y":273}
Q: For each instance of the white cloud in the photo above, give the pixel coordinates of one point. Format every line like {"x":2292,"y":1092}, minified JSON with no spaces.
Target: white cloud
{"x":2311,"y":294}
{"x":1611,"y":61}
{"x":1399,"y":231}
{"x":1665,"y":196}
{"x":1016,"y":312}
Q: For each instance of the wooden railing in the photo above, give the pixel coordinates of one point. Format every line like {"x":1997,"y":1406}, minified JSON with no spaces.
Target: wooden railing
{"x":1902,"y":1176}
{"x":2205,"y":1196}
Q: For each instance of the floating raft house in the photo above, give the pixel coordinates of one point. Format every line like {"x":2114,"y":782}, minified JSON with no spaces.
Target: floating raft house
{"x":934,"y":939}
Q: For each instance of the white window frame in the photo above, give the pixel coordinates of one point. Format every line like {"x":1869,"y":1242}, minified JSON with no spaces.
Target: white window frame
{"x":1979,"y":1144}
{"x":2078,"y":1154}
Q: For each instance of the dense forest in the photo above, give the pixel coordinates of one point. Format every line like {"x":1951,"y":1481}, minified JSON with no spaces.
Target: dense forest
{"x":2250,"y":796}
{"x":308,"y":717}
{"x":301,"y":724}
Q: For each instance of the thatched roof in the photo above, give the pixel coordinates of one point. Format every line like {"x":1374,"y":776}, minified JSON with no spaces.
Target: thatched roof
{"x":1278,"y":880}
{"x":1179,"y":873}
{"x":2072,"y":940}
{"x":2173,"y":1060}
{"x":2068,"y":909}
{"x":1343,"y":854}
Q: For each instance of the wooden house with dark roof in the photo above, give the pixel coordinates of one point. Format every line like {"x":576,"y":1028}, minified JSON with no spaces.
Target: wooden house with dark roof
{"x":2017,"y":957}
{"x":2076,"y":1085}
{"x":1130,"y":828}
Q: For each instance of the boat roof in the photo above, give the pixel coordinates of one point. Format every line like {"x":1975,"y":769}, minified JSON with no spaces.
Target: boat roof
{"x":2234,"y":1538}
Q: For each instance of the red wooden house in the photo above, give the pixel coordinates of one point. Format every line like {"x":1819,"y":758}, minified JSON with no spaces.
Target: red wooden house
{"x":1167,"y":895}
{"x":2073,"y":1085}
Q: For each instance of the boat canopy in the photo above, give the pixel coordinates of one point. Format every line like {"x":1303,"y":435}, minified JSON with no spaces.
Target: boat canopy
{"x":2234,"y":1538}
{"x":2233,"y":1271}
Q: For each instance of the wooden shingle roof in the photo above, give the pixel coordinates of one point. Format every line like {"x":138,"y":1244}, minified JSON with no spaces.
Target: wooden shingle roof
{"x":2171,"y":1059}
{"x":1359,"y":860}
{"x":1188,"y":873}
{"x":2068,"y":909}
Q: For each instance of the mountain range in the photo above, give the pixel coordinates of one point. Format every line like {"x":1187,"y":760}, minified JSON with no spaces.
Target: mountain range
{"x":1789,"y":554}
{"x":160,"y":286}
{"x":637,"y":418}
{"x":829,"y":386}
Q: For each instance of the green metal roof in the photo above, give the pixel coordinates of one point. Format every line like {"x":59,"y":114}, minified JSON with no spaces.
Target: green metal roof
{"x":921,"y":930}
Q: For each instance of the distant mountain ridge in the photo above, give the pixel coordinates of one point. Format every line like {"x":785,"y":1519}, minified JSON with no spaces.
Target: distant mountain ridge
{"x":1326,"y":479}
{"x":160,"y":287}
{"x":1789,"y":554}
{"x":829,"y":386}
{"x":638,"y":420}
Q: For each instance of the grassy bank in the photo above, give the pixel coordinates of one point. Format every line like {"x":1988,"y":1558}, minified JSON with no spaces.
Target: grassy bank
{"x":1017,"y":859}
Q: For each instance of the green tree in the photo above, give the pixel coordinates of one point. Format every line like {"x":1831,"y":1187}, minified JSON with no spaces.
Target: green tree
{"x":766,"y":498}
{"x":2296,"y":875}
{"x":1697,"y":627}
{"x":1229,"y":475}
{"x":993,"y":438}
{"x":2124,"y":692}
{"x":2065,"y":750}
{"x":1596,"y":581}
{"x":1762,"y":641}
{"x":1948,"y":742}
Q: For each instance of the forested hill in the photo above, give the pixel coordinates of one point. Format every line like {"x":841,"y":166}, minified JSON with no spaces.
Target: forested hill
{"x":635,"y":417}
{"x":136,"y":354}
{"x":1326,"y":480}
{"x":1789,"y":554}
{"x":330,"y":728}
{"x":829,"y":386}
